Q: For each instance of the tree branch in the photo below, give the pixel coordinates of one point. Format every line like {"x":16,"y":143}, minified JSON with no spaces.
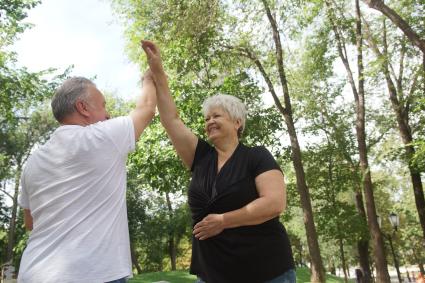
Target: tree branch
{"x":245,"y":52}
{"x":380,"y":6}
{"x":6,"y":193}
{"x":279,"y":55}
{"x":343,"y":57}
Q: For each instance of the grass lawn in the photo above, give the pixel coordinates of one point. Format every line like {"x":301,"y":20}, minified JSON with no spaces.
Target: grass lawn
{"x":303,"y":276}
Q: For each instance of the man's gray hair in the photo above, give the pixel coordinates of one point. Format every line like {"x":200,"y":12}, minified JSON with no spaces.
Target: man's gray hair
{"x":63,"y":102}
{"x":229,"y":103}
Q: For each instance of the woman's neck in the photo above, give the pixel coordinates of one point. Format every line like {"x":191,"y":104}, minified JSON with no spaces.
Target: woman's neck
{"x":226,"y":148}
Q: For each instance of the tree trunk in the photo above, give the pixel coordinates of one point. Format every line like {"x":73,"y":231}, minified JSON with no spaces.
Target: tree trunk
{"x":421,"y":267}
{"x":363,"y":244}
{"x":402,"y":117}
{"x":317,"y":270}
{"x":172,"y":249}
{"x":332,"y":268}
{"x":398,"y":21}
{"x":12,"y":223}
{"x":134,"y":259}
{"x":377,"y":240}
{"x":406,"y":136}
{"x":344,"y":265}
{"x":418,"y":191}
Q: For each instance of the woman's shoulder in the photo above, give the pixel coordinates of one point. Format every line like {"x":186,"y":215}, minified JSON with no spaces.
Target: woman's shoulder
{"x":260,"y":159}
{"x":255,"y":150}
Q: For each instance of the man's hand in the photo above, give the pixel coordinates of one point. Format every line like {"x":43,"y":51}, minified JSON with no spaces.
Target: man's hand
{"x":154,"y":57}
{"x":211,"y":225}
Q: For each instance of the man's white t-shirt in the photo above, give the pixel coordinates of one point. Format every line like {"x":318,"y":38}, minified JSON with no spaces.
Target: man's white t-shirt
{"x":75,"y":187}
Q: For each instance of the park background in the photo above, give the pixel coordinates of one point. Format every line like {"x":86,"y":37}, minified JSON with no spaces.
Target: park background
{"x":335,"y":89}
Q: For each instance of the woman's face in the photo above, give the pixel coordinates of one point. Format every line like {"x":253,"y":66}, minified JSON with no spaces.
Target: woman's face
{"x":219,"y":124}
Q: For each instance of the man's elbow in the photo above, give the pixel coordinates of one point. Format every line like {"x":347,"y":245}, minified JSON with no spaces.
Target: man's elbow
{"x":28,"y":226}
{"x":28,"y":220}
{"x":150,"y":113}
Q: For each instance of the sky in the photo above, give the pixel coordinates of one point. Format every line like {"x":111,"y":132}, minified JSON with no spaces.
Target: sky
{"x":83,"y":33}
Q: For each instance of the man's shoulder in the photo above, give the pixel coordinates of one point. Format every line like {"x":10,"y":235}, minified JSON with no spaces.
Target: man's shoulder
{"x":111,"y":124}
{"x":119,"y":131}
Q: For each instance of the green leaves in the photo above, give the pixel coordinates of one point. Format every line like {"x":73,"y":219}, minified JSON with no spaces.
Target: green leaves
{"x":12,"y":12}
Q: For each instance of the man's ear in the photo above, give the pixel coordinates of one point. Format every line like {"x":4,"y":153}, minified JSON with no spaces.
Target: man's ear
{"x":81,"y":108}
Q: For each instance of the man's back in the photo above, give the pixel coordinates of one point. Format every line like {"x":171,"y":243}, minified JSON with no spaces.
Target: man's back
{"x":74,"y":187}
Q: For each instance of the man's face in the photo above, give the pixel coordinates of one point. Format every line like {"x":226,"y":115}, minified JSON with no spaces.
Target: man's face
{"x":96,"y":106}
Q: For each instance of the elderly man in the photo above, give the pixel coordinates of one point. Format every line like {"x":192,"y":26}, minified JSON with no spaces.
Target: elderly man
{"x":73,"y":189}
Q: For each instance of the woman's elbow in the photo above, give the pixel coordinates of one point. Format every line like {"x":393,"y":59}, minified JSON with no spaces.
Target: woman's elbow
{"x":279,"y":207}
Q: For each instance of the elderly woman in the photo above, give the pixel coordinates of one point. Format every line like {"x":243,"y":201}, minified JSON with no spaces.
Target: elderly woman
{"x":236,"y":194}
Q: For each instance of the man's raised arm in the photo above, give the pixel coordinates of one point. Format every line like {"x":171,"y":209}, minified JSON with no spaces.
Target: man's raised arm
{"x":145,"y":105}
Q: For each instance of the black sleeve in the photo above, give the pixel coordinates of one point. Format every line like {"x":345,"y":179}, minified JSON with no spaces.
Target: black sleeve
{"x":202,"y":148}
{"x":262,"y":160}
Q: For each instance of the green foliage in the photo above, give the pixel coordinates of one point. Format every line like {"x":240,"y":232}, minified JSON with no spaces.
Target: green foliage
{"x":12,"y":12}
{"x":418,"y":160}
{"x":18,"y":140}
{"x":205,"y":53}
{"x":25,"y":120}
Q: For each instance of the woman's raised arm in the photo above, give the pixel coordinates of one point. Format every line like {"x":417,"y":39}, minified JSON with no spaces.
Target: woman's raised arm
{"x":183,"y":139}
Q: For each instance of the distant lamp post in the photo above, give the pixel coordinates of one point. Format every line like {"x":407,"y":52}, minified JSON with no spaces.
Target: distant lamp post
{"x":394,"y":220}
{"x":395,"y":223}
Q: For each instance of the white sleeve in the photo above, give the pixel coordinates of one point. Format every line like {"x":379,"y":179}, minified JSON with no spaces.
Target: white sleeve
{"x":23,"y":200}
{"x":121,"y":132}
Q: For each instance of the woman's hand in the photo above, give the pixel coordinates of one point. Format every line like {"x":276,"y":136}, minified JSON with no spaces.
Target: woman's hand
{"x":154,"y":57}
{"x":211,"y":225}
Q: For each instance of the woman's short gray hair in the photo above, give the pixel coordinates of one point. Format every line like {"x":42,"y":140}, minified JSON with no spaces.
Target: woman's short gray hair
{"x":63,"y":102}
{"x":229,"y":103}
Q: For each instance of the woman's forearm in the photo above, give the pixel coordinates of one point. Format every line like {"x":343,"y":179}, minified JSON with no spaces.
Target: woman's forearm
{"x":256,"y":212}
{"x":166,"y":105}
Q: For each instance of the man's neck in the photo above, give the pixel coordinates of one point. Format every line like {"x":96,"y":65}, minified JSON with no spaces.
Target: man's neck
{"x":74,"y":120}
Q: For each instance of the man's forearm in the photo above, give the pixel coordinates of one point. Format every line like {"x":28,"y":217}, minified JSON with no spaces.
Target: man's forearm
{"x":147,"y":101}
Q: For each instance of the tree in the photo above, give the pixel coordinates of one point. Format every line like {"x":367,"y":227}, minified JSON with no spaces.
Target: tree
{"x":328,"y":117}
{"x":19,"y":141}
{"x":403,"y":90}
{"x":12,"y":12}
{"x":209,"y":44}
{"x":21,"y":125}
{"x":359,"y":97}
{"x":380,"y":6}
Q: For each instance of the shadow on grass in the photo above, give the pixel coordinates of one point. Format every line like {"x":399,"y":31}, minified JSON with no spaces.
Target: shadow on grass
{"x":303,"y":276}
{"x":170,"y":276}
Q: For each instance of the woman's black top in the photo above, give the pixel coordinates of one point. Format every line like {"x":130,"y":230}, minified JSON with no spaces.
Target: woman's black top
{"x":247,"y":254}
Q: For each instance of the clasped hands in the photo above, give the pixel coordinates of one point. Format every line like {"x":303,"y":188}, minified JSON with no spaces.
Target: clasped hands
{"x":156,"y":69}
